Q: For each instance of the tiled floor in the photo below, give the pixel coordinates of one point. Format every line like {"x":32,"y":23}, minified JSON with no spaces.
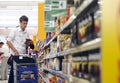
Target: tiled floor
{"x":4,"y":81}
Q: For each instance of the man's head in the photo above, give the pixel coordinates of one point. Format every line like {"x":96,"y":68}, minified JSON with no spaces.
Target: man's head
{"x":1,"y":44}
{"x":23,"y":22}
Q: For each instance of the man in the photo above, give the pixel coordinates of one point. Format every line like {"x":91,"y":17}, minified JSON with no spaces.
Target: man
{"x":16,"y":41}
{"x":4,"y":55}
{"x":17,"y":38}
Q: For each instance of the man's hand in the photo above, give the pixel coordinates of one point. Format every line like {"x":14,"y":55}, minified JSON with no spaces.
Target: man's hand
{"x":16,"y":53}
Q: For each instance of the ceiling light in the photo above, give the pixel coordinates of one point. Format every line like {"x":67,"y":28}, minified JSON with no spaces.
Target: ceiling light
{"x":23,"y":0}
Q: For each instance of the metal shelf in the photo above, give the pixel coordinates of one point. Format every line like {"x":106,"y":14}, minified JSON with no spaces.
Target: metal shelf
{"x":43,"y":78}
{"x":40,"y":61}
{"x":85,"y":4}
{"x":93,"y":44}
{"x":58,"y":73}
{"x":49,"y":56}
{"x":62,"y":28}
{"x":78,"y":80}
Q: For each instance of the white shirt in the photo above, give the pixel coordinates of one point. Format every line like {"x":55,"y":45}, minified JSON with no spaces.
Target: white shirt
{"x":18,"y":38}
{"x":5,"y":50}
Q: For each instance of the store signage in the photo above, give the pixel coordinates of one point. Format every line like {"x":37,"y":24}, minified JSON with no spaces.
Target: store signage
{"x":49,"y":20}
{"x":59,"y":7}
{"x":47,"y":7}
{"x":41,"y":34}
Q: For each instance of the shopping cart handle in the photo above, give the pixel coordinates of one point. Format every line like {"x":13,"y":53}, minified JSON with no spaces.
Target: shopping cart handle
{"x":23,"y":54}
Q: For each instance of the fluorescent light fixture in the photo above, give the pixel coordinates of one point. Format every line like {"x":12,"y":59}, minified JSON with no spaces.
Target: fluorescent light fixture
{"x":23,"y":8}
{"x":24,"y":0}
{"x":99,"y":2}
{"x":16,"y":17}
{"x":16,"y":22}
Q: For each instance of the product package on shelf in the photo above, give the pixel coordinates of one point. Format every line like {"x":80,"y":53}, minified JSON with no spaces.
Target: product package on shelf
{"x":66,"y":66}
{"x":57,"y":24}
{"x":47,"y":50}
{"x":56,"y":79}
{"x":89,"y":29}
{"x":51,"y":64}
{"x":80,"y":65}
{"x":97,"y":24}
{"x":74,"y":39}
{"x":40,"y":45}
{"x":75,"y":69}
{"x":56,"y":63}
{"x":86,"y":29}
{"x":86,"y":65}
{"x":46,"y":63}
{"x":65,"y":40}
{"x":48,"y":37}
{"x":53,"y":79}
{"x":94,"y":65}
{"x":77,"y":3}
{"x":88,"y":24}
{"x":53,"y":47}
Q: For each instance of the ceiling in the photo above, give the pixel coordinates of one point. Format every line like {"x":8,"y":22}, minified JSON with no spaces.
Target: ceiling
{"x":11,"y":10}
{"x":18,"y":3}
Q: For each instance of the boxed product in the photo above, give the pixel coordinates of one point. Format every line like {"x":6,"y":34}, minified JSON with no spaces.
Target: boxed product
{"x":94,"y":66}
{"x":60,"y":80}
{"x":97,"y":24}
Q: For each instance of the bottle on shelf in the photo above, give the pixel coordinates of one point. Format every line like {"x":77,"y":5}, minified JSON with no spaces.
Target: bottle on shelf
{"x":94,"y":65}
{"x":80,"y":71}
{"x":75,"y":71}
{"x":97,"y":23}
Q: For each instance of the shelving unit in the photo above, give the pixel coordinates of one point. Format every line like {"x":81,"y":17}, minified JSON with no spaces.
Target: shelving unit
{"x":58,"y":73}
{"x":72,"y":18}
{"x":40,"y":61}
{"x":84,"y":5}
{"x":43,"y":78}
{"x":93,"y":44}
{"x":78,"y":80}
{"x":82,"y":8}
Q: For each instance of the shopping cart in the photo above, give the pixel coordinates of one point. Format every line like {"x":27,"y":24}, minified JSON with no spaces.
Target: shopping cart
{"x":25,"y":69}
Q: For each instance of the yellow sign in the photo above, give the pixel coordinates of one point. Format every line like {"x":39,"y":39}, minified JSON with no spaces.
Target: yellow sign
{"x":34,"y":41}
{"x":41,"y":31}
{"x":110,"y":41}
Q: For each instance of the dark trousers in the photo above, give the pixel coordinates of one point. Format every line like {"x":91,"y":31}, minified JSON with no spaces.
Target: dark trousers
{"x":11,"y":75}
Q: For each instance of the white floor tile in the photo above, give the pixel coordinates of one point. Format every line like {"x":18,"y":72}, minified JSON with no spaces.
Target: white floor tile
{"x":5,"y":81}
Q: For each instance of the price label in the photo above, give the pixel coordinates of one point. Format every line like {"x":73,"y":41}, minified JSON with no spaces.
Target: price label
{"x":62,"y":5}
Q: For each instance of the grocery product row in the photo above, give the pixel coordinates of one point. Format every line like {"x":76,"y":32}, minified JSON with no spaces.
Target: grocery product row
{"x":72,"y":52}
{"x":84,"y":65}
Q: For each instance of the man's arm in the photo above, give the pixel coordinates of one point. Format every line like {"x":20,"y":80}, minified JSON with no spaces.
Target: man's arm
{"x":12,"y":47}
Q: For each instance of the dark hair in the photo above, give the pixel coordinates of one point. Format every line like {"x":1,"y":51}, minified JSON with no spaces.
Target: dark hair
{"x":23,"y":18}
{"x":1,"y":43}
